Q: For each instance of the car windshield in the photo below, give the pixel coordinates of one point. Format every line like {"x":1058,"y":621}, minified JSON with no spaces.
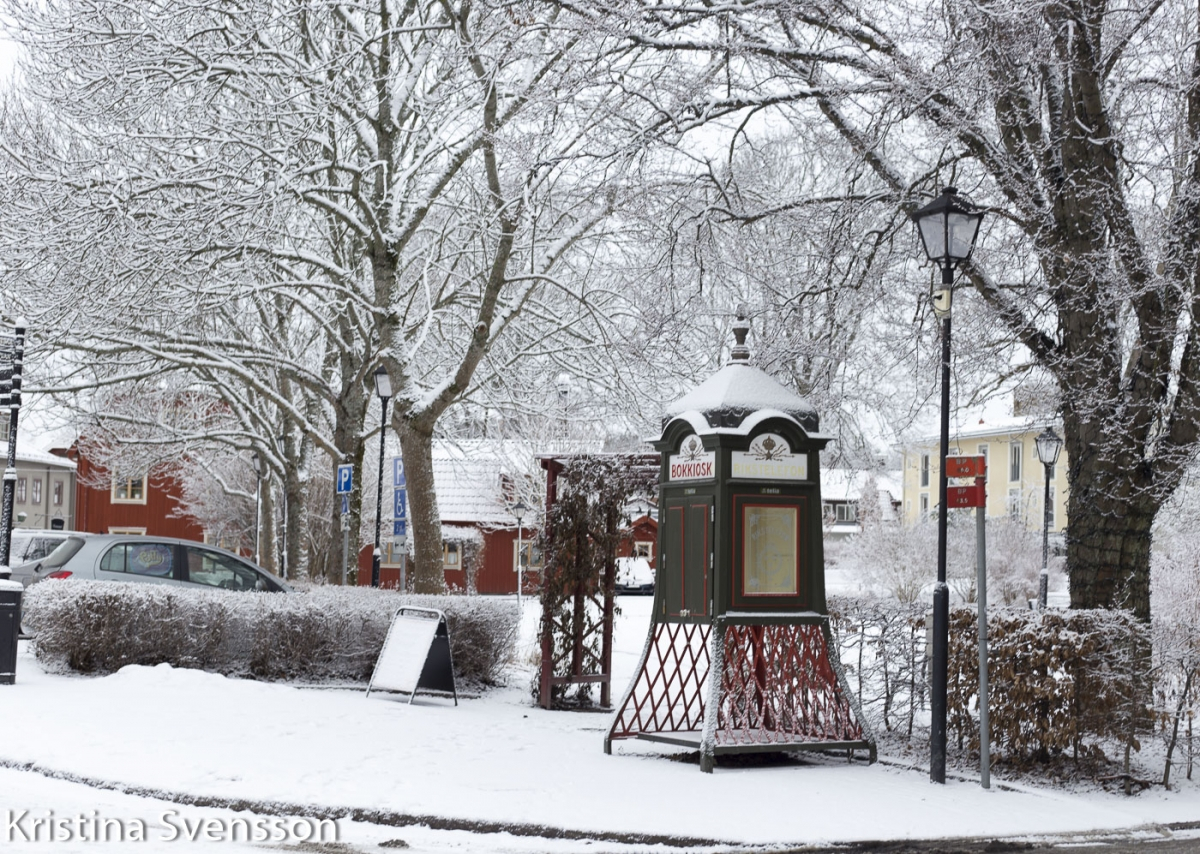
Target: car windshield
{"x":65,"y":551}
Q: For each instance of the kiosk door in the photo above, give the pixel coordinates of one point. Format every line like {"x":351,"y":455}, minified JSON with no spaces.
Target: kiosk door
{"x":687,"y":556}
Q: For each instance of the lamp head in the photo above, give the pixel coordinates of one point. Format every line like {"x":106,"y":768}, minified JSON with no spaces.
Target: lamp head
{"x":1048,"y":446}
{"x":383,"y":382}
{"x":948,"y":227}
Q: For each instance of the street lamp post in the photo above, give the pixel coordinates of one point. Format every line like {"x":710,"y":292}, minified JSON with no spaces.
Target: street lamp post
{"x":257,"y":461}
{"x":948,"y":227}
{"x":1048,"y":446}
{"x":383,"y":388}
{"x":518,"y":511}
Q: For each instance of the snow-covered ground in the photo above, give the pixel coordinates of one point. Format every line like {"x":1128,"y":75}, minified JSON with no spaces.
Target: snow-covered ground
{"x":493,"y":759}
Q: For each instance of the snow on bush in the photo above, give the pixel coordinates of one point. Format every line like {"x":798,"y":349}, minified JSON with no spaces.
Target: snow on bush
{"x":318,"y":633}
{"x":1061,"y":682}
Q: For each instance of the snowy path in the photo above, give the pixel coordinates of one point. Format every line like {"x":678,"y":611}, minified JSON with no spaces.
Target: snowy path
{"x":492,"y":759}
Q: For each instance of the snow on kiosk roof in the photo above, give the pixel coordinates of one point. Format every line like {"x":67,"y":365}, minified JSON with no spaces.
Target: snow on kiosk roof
{"x":725,"y":400}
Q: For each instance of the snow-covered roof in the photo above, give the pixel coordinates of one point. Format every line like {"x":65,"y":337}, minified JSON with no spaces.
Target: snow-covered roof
{"x":740,"y":386}
{"x":847,"y":484}
{"x":980,"y":428}
{"x":461,"y":534}
{"x":738,"y":397}
{"x":37,"y":457}
{"x":468,"y":488}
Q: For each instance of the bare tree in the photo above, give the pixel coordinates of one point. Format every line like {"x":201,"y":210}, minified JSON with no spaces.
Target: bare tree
{"x":409,"y":180}
{"x":1078,"y":124}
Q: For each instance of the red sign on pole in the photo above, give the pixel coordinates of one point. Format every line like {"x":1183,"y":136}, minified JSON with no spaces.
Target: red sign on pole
{"x":966,"y":466}
{"x":966,"y":496}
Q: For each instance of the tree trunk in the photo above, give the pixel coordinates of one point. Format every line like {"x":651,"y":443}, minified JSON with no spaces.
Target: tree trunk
{"x":349,"y":419}
{"x":1111,"y":512}
{"x":424,"y":521}
{"x":266,"y":545}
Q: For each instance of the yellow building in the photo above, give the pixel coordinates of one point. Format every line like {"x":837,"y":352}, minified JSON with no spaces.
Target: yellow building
{"x":1015,"y":476}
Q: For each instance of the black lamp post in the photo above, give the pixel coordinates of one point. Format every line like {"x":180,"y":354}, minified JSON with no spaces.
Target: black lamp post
{"x":518,"y":511}
{"x":948,"y":227}
{"x":383,"y":388}
{"x":258,"y":473}
{"x":1048,"y":446}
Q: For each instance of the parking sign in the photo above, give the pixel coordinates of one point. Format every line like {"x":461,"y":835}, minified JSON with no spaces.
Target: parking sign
{"x":398,"y":472}
{"x":345,"y":479}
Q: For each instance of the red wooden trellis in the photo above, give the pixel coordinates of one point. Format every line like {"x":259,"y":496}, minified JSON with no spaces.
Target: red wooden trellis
{"x":583,"y":665}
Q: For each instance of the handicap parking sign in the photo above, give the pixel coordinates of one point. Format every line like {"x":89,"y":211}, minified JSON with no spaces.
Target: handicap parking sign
{"x":400,"y":504}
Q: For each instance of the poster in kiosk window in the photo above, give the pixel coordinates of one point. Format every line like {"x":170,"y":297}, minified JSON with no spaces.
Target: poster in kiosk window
{"x":740,"y":657}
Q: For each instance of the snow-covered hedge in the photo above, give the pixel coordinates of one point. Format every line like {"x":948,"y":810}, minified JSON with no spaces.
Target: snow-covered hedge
{"x":1061,"y":682}
{"x":318,"y":633}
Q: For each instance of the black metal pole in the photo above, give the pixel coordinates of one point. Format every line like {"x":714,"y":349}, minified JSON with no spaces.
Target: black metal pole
{"x":1044,"y":579}
{"x":258,"y":518}
{"x":941,"y":593}
{"x":379,"y":492}
{"x":10,"y":471}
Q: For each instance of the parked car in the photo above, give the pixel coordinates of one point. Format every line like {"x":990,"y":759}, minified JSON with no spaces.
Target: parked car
{"x":29,"y":548}
{"x":634,"y":575}
{"x":154,"y":560}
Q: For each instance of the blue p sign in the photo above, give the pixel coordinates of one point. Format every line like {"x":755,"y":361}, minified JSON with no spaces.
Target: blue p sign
{"x":345,"y":479}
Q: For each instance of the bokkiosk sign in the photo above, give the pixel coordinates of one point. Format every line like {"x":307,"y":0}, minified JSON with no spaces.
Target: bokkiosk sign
{"x":740,"y":656}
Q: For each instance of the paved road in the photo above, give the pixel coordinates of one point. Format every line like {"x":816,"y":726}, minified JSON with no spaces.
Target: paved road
{"x":1166,"y":846}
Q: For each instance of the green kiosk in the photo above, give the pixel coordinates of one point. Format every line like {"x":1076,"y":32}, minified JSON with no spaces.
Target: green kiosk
{"x":739,"y":657}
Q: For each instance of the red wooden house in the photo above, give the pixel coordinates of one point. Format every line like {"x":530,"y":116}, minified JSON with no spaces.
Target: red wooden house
{"x":475,"y":489}
{"x":149,"y":504}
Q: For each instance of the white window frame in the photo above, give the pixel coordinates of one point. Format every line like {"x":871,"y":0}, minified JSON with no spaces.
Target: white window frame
{"x":21,"y":490}
{"x":456,"y":550}
{"x":57,"y":492}
{"x":127,"y":531}
{"x":128,"y":483}
{"x":924,"y":470}
{"x":1016,"y":463}
{"x":527,"y":547}
{"x":846,"y":512}
{"x":643,"y":548}
{"x":35,"y":490}
{"x":924,"y":505}
{"x":1051,"y":514}
{"x":1014,"y":502}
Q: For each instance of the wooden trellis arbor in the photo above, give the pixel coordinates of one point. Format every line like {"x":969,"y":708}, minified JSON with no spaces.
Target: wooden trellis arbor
{"x":586,"y":497}
{"x":739,"y":657}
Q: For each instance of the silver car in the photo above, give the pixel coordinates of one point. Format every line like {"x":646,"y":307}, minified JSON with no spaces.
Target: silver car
{"x":154,"y":560}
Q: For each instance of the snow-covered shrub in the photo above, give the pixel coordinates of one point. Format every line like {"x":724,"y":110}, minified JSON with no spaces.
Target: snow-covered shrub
{"x":882,"y":646}
{"x":1175,"y":592}
{"x":900,"y":560}
{"x":1060,"y":682}
{"x":318,"y":633}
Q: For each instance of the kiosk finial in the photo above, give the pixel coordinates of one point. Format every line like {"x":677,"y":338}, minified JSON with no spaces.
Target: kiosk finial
{"x":740,"y":352}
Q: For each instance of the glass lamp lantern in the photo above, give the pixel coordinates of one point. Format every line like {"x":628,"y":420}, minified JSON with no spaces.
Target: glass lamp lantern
{"x":948,"y":227}
{"x":1048,"y":446}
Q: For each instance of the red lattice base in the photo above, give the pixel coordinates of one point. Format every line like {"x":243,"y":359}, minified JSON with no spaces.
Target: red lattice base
{"x":778,"y":686}
{"x":778,"y":689}
{"x":668,"y":693}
